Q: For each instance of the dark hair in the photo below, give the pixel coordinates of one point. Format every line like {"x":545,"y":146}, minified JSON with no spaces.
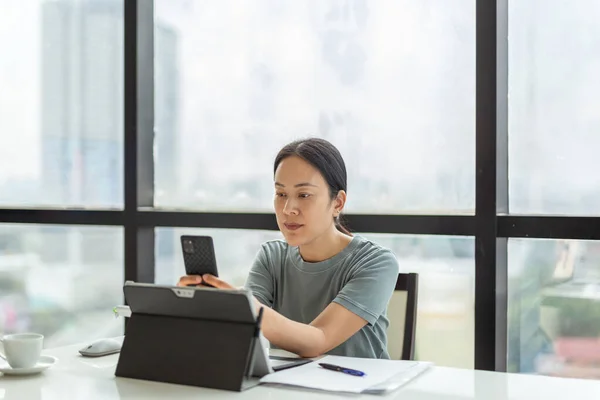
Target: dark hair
{"x":327,"y":159}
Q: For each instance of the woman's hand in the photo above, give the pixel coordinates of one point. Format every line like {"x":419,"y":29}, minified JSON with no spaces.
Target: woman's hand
{"x":206,"y":278}
{"x":216,"y":282}
{"x":189,"y":280}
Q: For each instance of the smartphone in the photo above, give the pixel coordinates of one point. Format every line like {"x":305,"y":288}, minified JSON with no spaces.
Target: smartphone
{"x":199,"y":255}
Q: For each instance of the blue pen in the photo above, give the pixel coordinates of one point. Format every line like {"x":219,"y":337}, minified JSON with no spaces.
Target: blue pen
{"x":348,"y":371}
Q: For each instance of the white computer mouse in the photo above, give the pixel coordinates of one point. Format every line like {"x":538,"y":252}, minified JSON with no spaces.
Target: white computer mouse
{"x":102,"y":347}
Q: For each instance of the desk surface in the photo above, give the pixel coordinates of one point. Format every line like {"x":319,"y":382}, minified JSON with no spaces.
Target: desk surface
{"x":76,"y":377}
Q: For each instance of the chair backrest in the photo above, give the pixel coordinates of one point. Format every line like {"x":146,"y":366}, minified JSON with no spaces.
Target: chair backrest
{"x":402,"y":313}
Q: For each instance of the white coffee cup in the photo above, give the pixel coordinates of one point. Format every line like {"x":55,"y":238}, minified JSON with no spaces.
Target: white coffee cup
{"x":22,"y":350}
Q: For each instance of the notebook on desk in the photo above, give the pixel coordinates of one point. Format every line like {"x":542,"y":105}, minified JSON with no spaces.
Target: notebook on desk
{"x":381,"y":376}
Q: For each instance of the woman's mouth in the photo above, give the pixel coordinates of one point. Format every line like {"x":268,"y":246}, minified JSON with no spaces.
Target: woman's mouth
{"x":293,"y":227}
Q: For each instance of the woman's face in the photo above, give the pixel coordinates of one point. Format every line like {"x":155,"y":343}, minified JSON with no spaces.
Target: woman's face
{"x":303,"y":205}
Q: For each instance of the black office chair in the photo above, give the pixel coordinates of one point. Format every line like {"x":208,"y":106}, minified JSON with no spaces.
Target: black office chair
{"x":402,"y":313}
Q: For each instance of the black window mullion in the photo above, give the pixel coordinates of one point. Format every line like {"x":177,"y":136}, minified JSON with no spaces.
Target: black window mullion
{"x":139,"y":137}
{"x":491,"y":190}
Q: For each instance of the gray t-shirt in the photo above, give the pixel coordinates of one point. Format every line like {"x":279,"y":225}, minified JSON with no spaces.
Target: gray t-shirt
{"x":361,"y":278}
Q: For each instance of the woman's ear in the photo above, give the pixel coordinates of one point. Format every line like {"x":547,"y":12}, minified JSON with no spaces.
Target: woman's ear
{"x":339,"y":203}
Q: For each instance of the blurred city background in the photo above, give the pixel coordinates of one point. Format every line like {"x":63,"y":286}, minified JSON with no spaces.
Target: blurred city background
{"x":391,"y":83}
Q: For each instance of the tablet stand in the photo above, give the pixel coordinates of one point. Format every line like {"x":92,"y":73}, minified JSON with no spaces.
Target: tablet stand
{"x":188,"y":351}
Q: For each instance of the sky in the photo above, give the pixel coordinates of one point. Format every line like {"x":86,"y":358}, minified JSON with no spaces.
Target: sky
{"x":219,"y":47}
{"x":19,"y":89}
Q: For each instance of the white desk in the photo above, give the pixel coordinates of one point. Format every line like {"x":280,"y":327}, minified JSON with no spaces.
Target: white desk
{"x":76,"y":377}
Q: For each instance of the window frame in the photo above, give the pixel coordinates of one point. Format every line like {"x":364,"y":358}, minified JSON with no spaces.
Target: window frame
{"x":490,"y":225}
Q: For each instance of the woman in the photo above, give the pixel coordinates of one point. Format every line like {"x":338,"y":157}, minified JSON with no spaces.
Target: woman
{"x":325,"y":291}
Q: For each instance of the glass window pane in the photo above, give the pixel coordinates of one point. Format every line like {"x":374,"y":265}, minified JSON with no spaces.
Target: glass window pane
{"x":61,"y":103}
{"x":61,"y":281}
{"x":391,"y":83}
{"x":445,"y":265}
{"x":554,"y":116}
{"x":554,"y":307}
{"x":446,"y":303}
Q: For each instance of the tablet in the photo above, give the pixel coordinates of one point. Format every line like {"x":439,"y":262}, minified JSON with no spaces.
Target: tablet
{"x":190,"y":302}
{"x":199,"y":303}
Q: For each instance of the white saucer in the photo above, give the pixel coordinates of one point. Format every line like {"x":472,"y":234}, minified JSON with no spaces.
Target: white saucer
{"x":43,"y":363}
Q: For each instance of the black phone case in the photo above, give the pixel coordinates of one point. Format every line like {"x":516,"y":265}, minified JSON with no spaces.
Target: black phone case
{"x":200,"y":258}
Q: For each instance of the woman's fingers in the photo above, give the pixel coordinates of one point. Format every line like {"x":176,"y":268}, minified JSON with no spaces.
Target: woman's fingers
{"x":189,"y":280}
{"x":216,"y":282}
{"x":207,"y":278}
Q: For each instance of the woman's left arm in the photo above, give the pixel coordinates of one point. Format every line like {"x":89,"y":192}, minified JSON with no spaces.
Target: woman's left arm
{"x":361,"y":301}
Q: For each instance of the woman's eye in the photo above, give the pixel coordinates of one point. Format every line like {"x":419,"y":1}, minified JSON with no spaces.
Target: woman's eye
{"x":304,"y":195}
{"x":280,"y":194}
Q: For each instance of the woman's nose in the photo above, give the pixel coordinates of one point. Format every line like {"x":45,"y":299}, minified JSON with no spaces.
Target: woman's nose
{"x":290,"y":208}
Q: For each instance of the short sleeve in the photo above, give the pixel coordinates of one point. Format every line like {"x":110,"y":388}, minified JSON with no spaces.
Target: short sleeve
{"x":368,"y":291}
{"x":260,"y":280}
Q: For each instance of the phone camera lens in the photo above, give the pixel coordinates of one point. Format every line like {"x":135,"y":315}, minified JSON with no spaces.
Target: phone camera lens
{"x":188,"y":246}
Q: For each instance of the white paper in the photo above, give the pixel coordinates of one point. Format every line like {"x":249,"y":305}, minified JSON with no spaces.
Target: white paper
{"x":315,"y":377}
